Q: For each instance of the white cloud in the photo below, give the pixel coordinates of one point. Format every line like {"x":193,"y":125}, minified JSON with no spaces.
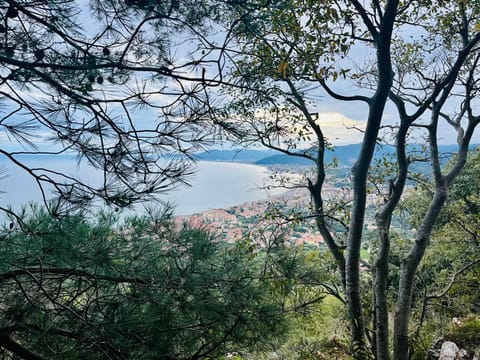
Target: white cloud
{"x":339,"y":129}
{"x":336,"y":127}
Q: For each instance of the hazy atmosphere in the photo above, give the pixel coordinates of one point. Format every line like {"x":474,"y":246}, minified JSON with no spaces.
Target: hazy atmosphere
{"x":241,"y":180}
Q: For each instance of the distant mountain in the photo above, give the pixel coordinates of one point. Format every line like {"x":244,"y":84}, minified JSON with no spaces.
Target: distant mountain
{"x":346,"y":155}
{"x":282,"y":159}
{"x":241,"y":155}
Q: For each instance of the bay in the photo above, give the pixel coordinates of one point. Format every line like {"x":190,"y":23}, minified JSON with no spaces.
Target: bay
{"x":214,"y":184}
{"x":221,"y":185}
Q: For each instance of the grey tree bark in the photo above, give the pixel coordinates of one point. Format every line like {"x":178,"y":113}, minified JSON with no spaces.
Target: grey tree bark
{"x":382,"y":39}
{"x":411,"y":263}
{"x":383,"y":221}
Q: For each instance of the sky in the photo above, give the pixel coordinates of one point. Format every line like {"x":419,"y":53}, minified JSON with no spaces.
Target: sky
{"x":339,"y":129}
{"x":342,"y":122}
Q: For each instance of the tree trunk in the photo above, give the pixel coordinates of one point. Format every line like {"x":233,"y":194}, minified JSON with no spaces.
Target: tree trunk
{"x":381,"y":36}
{"x":360,"y":174}
{"x":315,"y":191}
{"x":407,"y":275}
{"x":380,"y":291}
{"x":381,"y":269}
{"x":353,"y":294}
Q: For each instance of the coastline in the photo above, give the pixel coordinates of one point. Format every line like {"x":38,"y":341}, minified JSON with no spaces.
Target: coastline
{"x":222,"y":184}
{"x":245,"y":220}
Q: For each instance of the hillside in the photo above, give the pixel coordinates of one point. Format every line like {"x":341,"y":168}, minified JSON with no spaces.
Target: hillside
{"x":238,"y":155}
{"x":345,"y":155}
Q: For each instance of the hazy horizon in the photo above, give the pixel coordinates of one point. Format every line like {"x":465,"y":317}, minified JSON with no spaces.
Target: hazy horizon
{"x":214,"y":185}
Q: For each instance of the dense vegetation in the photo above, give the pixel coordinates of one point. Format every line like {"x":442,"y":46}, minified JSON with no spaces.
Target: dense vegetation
{"x":153,"y":82}
{"x":419,"y":58}
{"x":77,"y":288}
{"x":101,"y":287}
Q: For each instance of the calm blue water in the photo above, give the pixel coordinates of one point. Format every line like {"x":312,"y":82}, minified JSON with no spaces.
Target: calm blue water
{"x":220,"y":185}
{"x":215,"y":184}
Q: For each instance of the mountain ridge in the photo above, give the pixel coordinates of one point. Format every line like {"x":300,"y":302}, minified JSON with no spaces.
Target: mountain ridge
{"x":345,"y":155}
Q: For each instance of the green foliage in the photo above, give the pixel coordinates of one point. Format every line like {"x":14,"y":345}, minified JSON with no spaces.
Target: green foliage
{"x":422,"y":342}
{"x":455,"y":244}
{"x":449,"y":275}
{"x":319,"y":334}
{"x":76,"y":288}
{"x":65,"y":62}
{"x":466,"y":334}
{"x":323,"y":349}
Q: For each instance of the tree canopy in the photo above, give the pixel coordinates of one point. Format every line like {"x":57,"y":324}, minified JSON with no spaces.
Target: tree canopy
{"x":256,"y":69}
{"x":119,"y":84}
{"x":76,"y":288}
{"x":419,"y":58}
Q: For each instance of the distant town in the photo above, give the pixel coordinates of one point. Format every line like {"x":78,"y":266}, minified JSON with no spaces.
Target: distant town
{"x":237,"y":222}
{"x":292,"y":207}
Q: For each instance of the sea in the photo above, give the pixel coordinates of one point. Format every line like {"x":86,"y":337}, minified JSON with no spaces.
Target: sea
{"x":213,"y":185}
{"x":222,"y":185}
